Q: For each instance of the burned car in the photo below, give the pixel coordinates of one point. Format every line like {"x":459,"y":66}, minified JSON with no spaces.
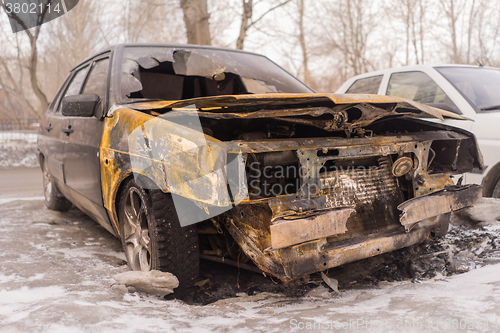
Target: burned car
{"x":189,"y":152}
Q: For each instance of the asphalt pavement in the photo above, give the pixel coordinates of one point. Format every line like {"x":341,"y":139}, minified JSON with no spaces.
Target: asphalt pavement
{"x":21,"y":182}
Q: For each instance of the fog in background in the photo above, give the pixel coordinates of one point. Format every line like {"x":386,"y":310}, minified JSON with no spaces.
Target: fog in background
{"x":323,"y":42}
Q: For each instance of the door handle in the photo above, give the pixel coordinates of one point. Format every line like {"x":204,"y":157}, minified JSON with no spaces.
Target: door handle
{"x":68,"y":130}
{"x":48,"y":128}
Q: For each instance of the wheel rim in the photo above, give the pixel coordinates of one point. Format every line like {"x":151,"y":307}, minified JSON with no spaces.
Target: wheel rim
{"x":136,"y":232}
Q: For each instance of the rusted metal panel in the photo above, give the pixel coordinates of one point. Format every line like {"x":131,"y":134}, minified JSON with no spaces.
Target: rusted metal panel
{"x":450,"y":199}
{"x":345,"y":146}
{"x":290,"y":232}
{"x":274,"y":99}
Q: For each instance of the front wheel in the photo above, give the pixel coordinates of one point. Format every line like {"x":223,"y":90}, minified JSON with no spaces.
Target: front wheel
{"x":152,"y":237}
{"x":496,"y":190}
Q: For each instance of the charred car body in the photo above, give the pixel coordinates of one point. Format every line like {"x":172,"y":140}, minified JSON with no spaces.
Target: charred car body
{"x":186,"y":152}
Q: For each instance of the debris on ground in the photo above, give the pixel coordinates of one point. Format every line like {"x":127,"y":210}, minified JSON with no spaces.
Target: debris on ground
{"x":151,"y":282}
{"x":461,"y":265}
{"x":319,"y":292}
{"x":332,"y":283}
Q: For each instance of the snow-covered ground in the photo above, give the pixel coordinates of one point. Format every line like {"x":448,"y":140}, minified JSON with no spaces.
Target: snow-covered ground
{"x":7,"y":136}
{"x":56,"y":276}
{"x":17,"y":149}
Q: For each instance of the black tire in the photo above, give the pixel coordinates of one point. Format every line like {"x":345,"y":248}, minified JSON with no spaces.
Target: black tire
{"x":54,"y":199}
{"x":496,"y":190}
{"x":152,"y":237}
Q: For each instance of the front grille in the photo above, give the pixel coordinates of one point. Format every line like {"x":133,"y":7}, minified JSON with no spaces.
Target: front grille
{"x":371,"y":190}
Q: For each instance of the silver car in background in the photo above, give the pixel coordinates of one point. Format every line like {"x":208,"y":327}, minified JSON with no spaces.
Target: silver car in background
{"x":471,"y":91}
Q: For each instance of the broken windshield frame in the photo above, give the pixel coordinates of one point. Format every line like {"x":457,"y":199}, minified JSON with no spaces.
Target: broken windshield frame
{"x":254,"y":73}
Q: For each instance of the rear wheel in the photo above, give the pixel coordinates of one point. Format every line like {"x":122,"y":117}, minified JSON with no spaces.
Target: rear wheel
{"x":153,"y":238}
{"x":54,"y":199}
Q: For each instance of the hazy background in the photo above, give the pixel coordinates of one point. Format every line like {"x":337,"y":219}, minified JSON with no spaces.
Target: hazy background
{"x":323,"y":42}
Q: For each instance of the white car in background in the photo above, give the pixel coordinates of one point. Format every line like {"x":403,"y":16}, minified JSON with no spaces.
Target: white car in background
{"x":471,"y":91}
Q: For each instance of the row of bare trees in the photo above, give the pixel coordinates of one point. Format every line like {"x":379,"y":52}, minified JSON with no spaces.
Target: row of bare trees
{"x":323,"y":42}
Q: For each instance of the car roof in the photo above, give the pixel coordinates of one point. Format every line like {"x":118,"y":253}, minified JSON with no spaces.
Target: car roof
{"x":184,"y":46}
{"x":412,"y":68}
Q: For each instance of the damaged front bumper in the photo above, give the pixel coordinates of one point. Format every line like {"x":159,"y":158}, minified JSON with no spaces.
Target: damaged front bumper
{"x":303,"y":246}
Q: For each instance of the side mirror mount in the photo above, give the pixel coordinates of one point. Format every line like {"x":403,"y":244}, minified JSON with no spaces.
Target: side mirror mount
{"x":80,"y":105}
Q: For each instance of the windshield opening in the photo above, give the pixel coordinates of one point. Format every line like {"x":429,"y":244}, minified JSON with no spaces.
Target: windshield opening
{"x":480,"y":86}
{"x":163,"y":73}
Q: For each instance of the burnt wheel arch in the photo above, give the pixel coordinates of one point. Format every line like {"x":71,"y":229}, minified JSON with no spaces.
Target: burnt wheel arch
{"x":150,"y":230}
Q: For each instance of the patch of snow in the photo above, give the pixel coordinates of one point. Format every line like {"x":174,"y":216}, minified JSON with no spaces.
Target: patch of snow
{"x":7,"y":136}
{"x":7,"y":278}
{"x":486,"y":210}
{"x":38,"y":276}
{"x":18,"y":149}
{"x":18,"y":304}
{"x":7,"y":200}
{"x":151,"y":282}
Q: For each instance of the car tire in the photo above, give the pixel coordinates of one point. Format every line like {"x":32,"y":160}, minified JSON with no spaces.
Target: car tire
{"x":54,"y":199}
{"x":496,"y":190}
{"x":152,"y":237}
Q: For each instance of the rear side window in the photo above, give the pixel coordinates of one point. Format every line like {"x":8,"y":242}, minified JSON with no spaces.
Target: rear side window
{"x":369,"y":85}
{"x":98,"y":79}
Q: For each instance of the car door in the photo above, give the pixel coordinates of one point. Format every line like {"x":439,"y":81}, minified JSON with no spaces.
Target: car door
{"x":81,"y":151}
{"x":53,"y":137}
{"x":50,"y":141}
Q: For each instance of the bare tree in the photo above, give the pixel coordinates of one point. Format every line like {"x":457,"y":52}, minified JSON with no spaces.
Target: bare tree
{"x":487,"y":32}
{"x":74,"y":37}
{"x":352,"y":22}
{"x":33,"y":62}
{"x":302,"y":40}
{"x":196,"y":20}
{"x":453,"y":10}
{"x":246,"y":19}
{"x":159,"y":21}
{"x":411,"y":14}
{"x":17,"y":93}
{"x":472,"y":16}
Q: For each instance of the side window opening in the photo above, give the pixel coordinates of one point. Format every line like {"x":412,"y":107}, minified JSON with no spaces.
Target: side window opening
{"x":75,"y":85}
{"x":57,"y":97}
{"x":368,"y":85}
